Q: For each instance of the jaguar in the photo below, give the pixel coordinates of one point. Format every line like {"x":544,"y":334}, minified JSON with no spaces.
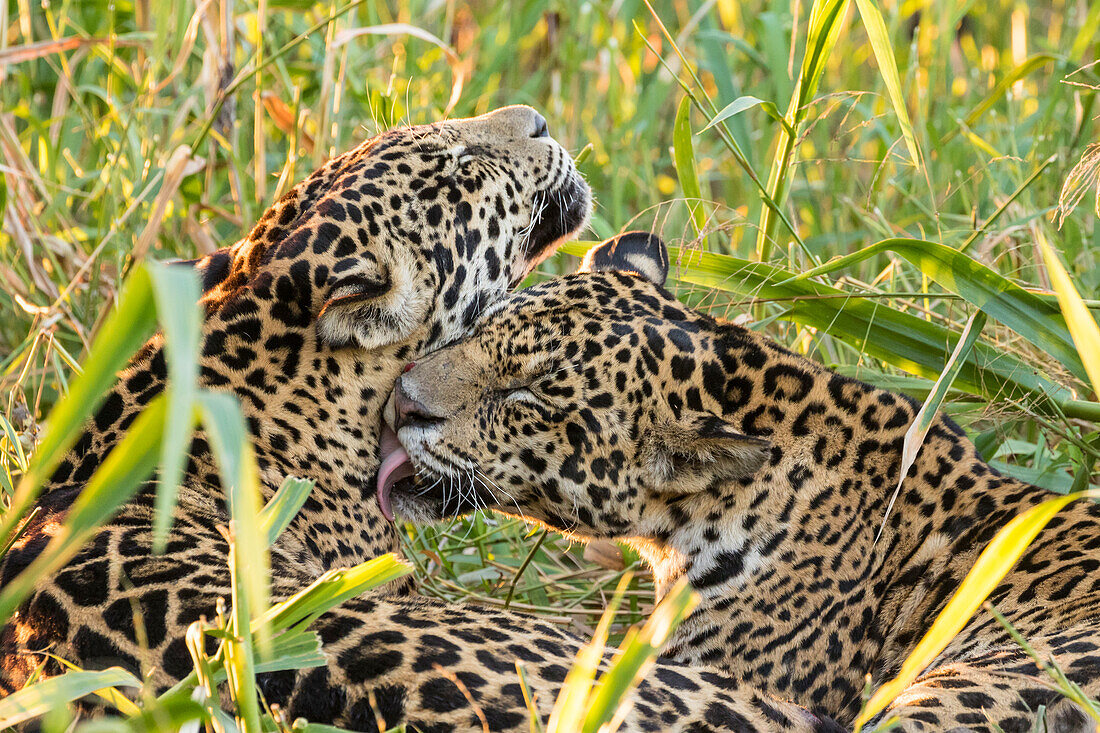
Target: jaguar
{"x":387,"y":251}
{"x":599,"y":406}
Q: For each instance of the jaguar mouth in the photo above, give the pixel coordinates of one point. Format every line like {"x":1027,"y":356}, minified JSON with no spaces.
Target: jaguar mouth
{"x":419,"y":495}
{"x":396,"y":469}
{"x":558,"y":214}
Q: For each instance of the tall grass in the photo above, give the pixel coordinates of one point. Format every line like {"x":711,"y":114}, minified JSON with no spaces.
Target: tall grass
{"x":254,"y":635}
{"x":145,"y":131}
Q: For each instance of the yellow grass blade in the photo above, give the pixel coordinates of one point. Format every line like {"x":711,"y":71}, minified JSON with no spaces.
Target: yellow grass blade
{"x":884,"y":54}
{"x":1082,"y":326}
{"x":610,"y":699}
{"x":995,"y":561}
{"x":571,"y":706}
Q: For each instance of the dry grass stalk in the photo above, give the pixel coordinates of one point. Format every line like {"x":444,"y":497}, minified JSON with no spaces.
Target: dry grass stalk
{"x":180,"y":164}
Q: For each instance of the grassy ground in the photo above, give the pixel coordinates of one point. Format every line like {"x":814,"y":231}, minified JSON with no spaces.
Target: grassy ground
{"x":115,"y":151}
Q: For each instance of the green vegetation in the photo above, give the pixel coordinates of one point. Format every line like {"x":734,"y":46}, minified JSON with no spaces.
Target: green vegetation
{"x":935,"y":145}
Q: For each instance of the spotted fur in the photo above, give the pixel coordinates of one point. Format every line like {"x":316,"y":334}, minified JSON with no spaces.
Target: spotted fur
{"x":598,"y":405}
{"x":388,"y":250}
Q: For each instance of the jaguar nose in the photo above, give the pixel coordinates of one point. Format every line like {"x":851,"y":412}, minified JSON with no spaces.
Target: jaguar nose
{"x":541,"y":130}
{"x":516,"y":122}
{"x":408,"y":411}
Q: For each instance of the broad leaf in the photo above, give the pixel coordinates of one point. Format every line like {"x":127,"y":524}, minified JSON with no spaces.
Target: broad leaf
{"x":1037,"y":320}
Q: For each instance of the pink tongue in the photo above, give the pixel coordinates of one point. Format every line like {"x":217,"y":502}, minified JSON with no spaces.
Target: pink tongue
{"x":395,"y":466}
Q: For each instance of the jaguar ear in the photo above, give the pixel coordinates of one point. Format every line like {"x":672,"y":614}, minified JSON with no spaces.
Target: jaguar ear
{"x":687,"y":452}
{"x":212,"y":269}
{"x":638,"y":252}
{"x":372,"y":304}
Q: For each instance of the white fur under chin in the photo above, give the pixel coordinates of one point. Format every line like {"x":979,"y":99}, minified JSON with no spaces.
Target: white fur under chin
{"x":412,"y":509}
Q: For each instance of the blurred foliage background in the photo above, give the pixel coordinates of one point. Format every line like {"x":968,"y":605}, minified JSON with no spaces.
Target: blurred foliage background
{"x":134,"y":129}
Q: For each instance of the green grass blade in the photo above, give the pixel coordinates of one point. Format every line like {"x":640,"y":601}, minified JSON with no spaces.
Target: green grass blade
{"x":253,"y":69}
{"x":303,"y":608}
{"x":228,"y":437}
{"x":1086,"y":34}
{"x":898,"y":338}
{"x":727,"y":137}
{"x":1051,"y":669}
{"x":573,"y":702}
{"x":296,"y":649}
{"x":293,"y":649}
{"x":684,"y":154}
{"x":401,"y":29}
{"x":108,"y":725}
{"x":283,"y":507}
{"x":41,"y":697}
{"x":914,"y":436}
{"x":15,"y":446}
{"x":331,"y":589}
{"x":743,"y":103}
{"x":239,"y":662}
{"x":529,"y":698}
{"x":826,"y":17}
{"x":1037,"y":320}
{"x":116,"y":480}
{"x":19,"y":531}
{"x":123,"y":332}
{"x":523,"y":566}
{"x":223,"y":421}
{"x":113,"y":697}
{"x":176,"y":292}
{"x":248,"y":557}
{"x":888,"y":68}
{"x":1006,"y":203}
{"x":170,"y":715}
